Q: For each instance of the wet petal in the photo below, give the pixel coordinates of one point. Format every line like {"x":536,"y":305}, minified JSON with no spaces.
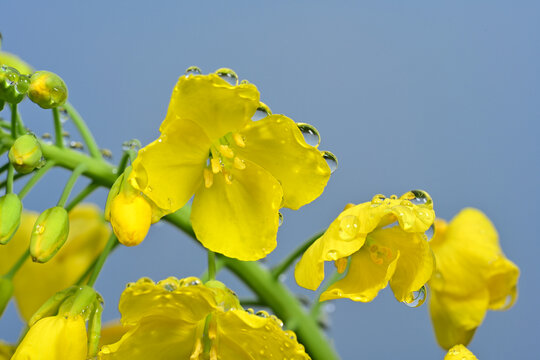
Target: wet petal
{"x":369,"y":272}
{"x":212,"y":103}
{"x":169,"y":170}
{"x":239,"y":219}
{"x":502,"y":284}
{"x":276,"y":144}
{"x":245,"y":336}
{"x":460,"y":352}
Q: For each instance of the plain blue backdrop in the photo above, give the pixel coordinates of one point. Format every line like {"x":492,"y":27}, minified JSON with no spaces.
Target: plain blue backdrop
{"x":442,"y":96}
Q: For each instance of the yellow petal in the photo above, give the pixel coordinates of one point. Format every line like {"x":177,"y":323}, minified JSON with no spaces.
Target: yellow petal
{"x":154,"y":337}
{"x":173,"y":298}
{"x":276,"y":144}
{"x":239,"y":220}
{"x":112,"y":332}
{"x":244,"y":336}
{"x":169,"y":170}
{"x":459,"y":352}
{"x":502,"y":284}
{"x":215,"y":105}
{"x":47,"y":340}
{"x":367,"y":275}
{"x":15,"y":62}
{"x":130,"y":218}
{"x":88,"y":234}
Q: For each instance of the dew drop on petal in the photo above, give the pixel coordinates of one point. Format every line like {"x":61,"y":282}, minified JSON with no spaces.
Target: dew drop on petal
{"x":430,"y":232}
{"x":193,"y":70}
{"x":378,"y":199}
{"x":280,"y":221}
{"x":311,"y":135}
{"x":417,"y":197}
{"x":331,"y":160}
{"x":348,"y":227}
{"x":228,"y":75}
{"x":262,"y":111}
{"x":418,"y":297}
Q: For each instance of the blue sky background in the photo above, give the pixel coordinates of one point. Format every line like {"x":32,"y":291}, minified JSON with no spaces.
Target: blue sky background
{"x":441,"y":96}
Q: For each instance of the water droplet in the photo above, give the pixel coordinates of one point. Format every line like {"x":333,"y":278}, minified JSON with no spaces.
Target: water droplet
{"x":280,"y":221}
{"x":406,"y":203}
{"x":430,"y":232}
{"x":331,"y":160}
{"x":332,"y":254}
{"x":262,"y":111}
{"x":40,"y":229}
{"x":64,"y":115}
{"x":106,"y":153}
{"x":10,"y":75}
{"x":194,"y":282}
{"x":145,"y":280}
{"x":193,"y":70}
{"x":228,"y":75}
{"x":418,"y":197}
{"x":250,"y":311}
{"x":311,"y":135}
{"x":133,"y":144}
{"x":378,"y":199}
{"x":23,"y":84}
{"x":243,"y":82}
{"x":46,"y":136}
{"x":76,"y":145}
{"x":262,"y":314}
{"x":417,"y":297}
{"x":66,"y":134}
{"x":348,"y":227}
{"x":277,"y":320}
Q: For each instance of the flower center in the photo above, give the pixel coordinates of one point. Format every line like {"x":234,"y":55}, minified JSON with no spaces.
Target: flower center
{"x":222,"y":159}
{"x":379,"y":253}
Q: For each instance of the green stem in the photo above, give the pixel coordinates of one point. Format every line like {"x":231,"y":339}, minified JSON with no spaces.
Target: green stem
{"x":285,"y":264}
{"x":70,"y":183}
{"x":34,"y":179}
{"x":9,"y":180}
{"x":219,"y":264}
{"x":11,"y":273}
{"x":317,"y":304}
{"x":123,"y":163}
{"x":87,"y":136}
{"x":82,"y":195}
{"x":211,"y":265}
{"x":14,"y":130}
{"x":111,"y":244}
{"x":58,"y":128}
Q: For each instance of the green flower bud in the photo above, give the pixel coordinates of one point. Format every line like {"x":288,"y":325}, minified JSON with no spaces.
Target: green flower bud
{"x":49,"y":234}
{"x":25,"y":154}
{"x":47,"y":89}
{"x":10,"y":216}
{"x":13,"y":85}
{"x":6,"y":291}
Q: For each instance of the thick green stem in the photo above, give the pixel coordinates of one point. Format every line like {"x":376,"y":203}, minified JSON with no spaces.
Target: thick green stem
{"x":9,"y":180}
{"x":211,"y":265}
{"x":111,"y":244}
{"x":70,"y":183}
{"x":18,"y":264}
{"x":59,"y":136}
{"x":87,"y":136}
{"x":14,"y":130}
{"x":34,"y":179}
{"x":81,"y":196}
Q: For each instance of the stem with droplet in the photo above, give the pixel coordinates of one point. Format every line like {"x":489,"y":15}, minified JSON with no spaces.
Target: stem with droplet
{"x":87,"y":136}
{"x":58,"y":128}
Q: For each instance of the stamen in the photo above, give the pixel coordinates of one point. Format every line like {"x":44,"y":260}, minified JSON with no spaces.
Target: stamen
{"x":216,"y":166}
{"x":226,"y":151}
{"x":239,"y":140}
{"x":380,"y":253}
{"x":208,"y":177}
{"x":239,"y":163}
{"x":341,"y":265}
{"x":227,"y":177}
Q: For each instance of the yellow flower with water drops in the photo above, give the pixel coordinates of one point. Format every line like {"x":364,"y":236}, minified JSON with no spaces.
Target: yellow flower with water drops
{"x":460,"y":352}
{"x":375,"y":243}
{"x":240,"y":171}
{"x":34,"y":283}
{"x":184,"y":319}
{"x":472,"y":276}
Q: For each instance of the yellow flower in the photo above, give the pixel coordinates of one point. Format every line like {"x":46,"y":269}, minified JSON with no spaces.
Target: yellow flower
{"x":53,"y":338}
{"x":35,"y":283}
{"x":241,"y":171}
{"x":14,"y":61}
{"x":383,"y":241}
{"x":459,"y":352}
{"x":472,"y":275}
{"x":183,"y":319}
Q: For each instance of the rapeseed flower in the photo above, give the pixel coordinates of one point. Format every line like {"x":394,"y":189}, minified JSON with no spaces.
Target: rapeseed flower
{"x":240,"y":171}
{"x":184,"y":319}
{"x":379,"y":242}
{"x":460,"y":352}
{"x":472,"y":276}
{"x":35,"y":283}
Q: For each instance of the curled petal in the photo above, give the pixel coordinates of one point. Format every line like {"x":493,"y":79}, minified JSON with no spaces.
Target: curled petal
{"x":276,"y":144}
{"x":239,"y":217}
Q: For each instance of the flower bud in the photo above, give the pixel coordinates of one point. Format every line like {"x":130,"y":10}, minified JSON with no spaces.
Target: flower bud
{"x":25,"y":154}
{"x":13,"y":85}
{"x":47,"y":89}
{"x":10,"y":216}
{"x":6,"y":291}
{"x":49,"y":234}
{"x":130,"y":217}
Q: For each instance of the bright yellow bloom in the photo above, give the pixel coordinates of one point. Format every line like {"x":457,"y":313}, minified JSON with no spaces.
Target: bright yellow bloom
{"x":35,"y":283}
{"x":383,"y":241}
{"x":459,"y":352}
{"x":472,"y":275}
{"x":241,"y":171}
{"x":16,"y":62}
{"x":183,"y":319}
{"x":54,"y":338}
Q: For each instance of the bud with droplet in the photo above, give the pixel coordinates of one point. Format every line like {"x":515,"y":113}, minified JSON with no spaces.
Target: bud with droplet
{"x":47,"y":89}
{"x":25,"y":154}
{"x":6,"y":291}
{"x":10,"y":216}
{"x":49,"y":234}
{"x":13,"y":85}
